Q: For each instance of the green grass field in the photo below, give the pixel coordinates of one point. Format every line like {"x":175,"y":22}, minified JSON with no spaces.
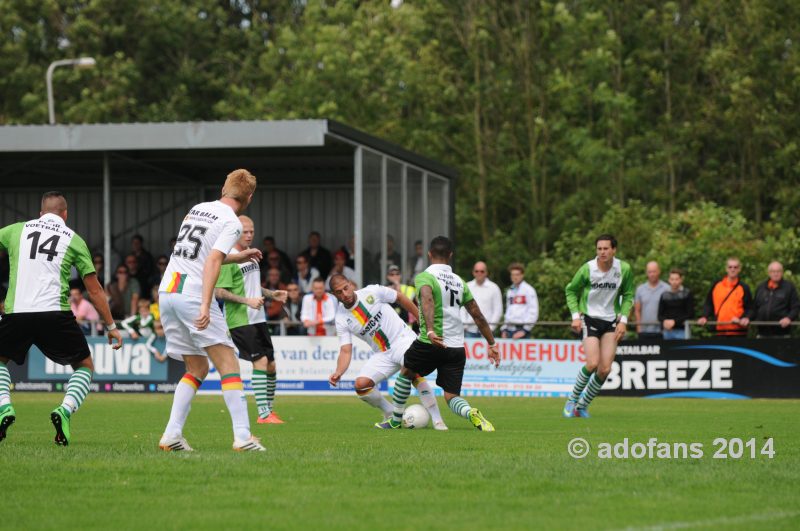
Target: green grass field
{"x":328,"y":468}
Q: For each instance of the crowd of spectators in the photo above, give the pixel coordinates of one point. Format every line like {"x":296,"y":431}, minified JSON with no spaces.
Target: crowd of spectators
{"x":662,"y":307}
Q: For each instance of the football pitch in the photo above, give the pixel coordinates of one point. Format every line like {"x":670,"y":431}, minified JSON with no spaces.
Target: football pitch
{"x":328,"y":468}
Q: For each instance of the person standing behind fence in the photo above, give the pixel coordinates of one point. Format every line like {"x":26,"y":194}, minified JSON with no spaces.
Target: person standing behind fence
{"x":675,"y":307}
{"x":776,"y":300}
{"x":488,"y":297}
{"x":729,"y":301}
{"x":319,"y":310}
{"x":645,"y":303}
{"x":522,"y":305}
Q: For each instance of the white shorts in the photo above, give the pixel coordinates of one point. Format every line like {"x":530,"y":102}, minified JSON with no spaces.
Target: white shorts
{"x":178,"y":313}
{"x":381,"y":366}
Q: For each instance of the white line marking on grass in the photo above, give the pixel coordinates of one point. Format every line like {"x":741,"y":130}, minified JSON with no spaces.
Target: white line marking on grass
{"x":725,"y":520}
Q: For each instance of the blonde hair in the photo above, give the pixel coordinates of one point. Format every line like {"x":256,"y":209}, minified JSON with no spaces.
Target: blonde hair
{"x":240,"y":184}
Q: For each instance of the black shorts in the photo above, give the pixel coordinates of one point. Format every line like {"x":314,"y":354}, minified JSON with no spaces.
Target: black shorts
{"x":597,"y":327}
{"x":253,"y":342}
{"x":57,"y":335}
{"x":424,"y":358}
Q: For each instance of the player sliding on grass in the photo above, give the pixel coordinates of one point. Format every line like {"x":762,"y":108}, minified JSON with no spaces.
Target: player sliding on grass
{"x":239,"y":285}
{"x":600,"y":297}
{"x":440,"y":345}
{"x":41,"y":253}
{"x":367,"y":314}
{"x":194,"y":327}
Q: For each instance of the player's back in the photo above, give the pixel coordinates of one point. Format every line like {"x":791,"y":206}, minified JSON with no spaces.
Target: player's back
{"x":41,"y":253}
{"x":450,"y":293}
{"x":207,"y":226}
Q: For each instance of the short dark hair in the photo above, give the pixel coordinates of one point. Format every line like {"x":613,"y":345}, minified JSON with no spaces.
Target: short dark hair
{"x":315,"y":233}
{"x":516,"y":266}
{"x":441,"y":247}
{"x":318,"y":279}
{"x":138,"y":237}
{"x":676,"y":271}
{"x":336,"y":278}
{"x":268,"y":238}
{"x":53,"y":193}
{"x":606,"y":237}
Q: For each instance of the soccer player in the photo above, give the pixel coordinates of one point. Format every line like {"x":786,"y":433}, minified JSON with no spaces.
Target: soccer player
{"x":368,"y":314}
{"x":239,"y":285}
{"x":600,"y":297}
{"x":143,"y":324}
{"x":41,"y":253}
{"x":195,"y":328}
{"x":440,"y":345}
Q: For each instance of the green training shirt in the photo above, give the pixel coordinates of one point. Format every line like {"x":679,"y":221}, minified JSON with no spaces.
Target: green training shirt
{"x":603,"y":295}
{"x":41,"y":253}
{"x":450,"y":293}
{"x":243,"y":280}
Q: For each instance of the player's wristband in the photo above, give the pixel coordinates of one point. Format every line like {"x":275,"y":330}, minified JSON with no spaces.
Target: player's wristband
{"x":112,"y":326}
{"x":576,"y":315}
{"x":493,"y":344}
{"x":623,"y":319}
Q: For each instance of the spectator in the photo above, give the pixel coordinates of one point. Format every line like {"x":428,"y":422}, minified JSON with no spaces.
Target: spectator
{"x":274,"y":261}
{"x":340,"y":268}
{"x":84,"y":312}
{"x":349,"y":249}
{"x":645,"y":305}
{"x":146,"y":265}
{"x":418,"y":264}
{"x":675,"y":307}
{"x":143,"y":325}
{"x":392,"y":256}
{"x":318,"y":310}
{"x":367,"y":271}
{"x":284,"y":264}
{"x":123,"y":293}
{"x":161,"y":266}
{"x":489,"y":298}
{"x":305,"y":274}
{"x":318,"y":257}
{"x":292,"y":309}
{"x":393,"y":280}
{"x":522,"y":305}
{"x":275,"y":308}
{"x":132,"y":264}
{"x":776,"y":300}
{"x":99,"y":264}
{"x":729,"y":301}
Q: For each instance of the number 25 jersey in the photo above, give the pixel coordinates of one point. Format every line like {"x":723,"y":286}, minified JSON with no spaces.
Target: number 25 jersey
{"x":207,"y":226}
{"x":41,"y":253}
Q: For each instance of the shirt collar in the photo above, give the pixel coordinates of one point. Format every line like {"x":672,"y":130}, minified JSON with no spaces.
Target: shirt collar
{"x":53,"y":217}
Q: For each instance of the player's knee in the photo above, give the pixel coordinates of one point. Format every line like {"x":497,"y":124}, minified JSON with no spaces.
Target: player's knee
{"x":85,"y":363}
{"x":603,"y":372}
{"x":364,"y":386}
{"x":199,"y":372}
{"x":261,"y":364}
{"x":591,"y":366}
{"x":271,"y":367}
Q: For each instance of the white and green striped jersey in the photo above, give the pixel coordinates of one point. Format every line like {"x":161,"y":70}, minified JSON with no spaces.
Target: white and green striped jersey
{"x":599,"y":294}
{"x":41,"y":253}
{"x":243,"y":280}
{"x":450,"y":293}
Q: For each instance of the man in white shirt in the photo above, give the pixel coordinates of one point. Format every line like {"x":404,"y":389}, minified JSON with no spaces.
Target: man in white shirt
{"x":522,"y":305}
{"x":318,"y":310}
{"x":489,"y":298}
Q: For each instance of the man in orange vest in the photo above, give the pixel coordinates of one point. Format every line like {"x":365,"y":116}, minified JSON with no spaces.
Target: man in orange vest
{"x":729,"y":301}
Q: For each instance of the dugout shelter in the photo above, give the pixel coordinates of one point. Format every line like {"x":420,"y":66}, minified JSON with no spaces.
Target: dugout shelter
{"x":141,"y":178}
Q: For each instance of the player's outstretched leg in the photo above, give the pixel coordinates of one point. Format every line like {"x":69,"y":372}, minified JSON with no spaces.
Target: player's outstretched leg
{"x":592,"y":390}
{"x":77,"y":389}
{"x":428,"y":399}
{"x":7,"y":413}
{"x":461,"y":407}
{"x":172,"y":440}
{"x":402,"y":388}
{"x":367,"y":390}
{"x":580,"y":383}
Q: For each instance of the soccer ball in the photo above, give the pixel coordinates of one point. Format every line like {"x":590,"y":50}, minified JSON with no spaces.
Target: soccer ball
{"x":416,"y":417}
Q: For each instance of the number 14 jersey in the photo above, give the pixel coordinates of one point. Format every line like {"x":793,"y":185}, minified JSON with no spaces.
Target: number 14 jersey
{"x":450,"y":293}
{"x":41,"y":253}
{"x":207,"y":226}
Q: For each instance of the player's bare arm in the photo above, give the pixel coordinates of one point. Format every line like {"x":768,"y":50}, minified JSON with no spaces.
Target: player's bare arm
{"x":279,"y":295}
{"x":210,"y":276}
{"x":408,"y":305}
{"x":246,"y":255}
{"x":426,"y":300}
{"x":342,"y":363}
{"x":98,"y":298}
{"x":225,"y":295}
{"x":486,"y":331}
